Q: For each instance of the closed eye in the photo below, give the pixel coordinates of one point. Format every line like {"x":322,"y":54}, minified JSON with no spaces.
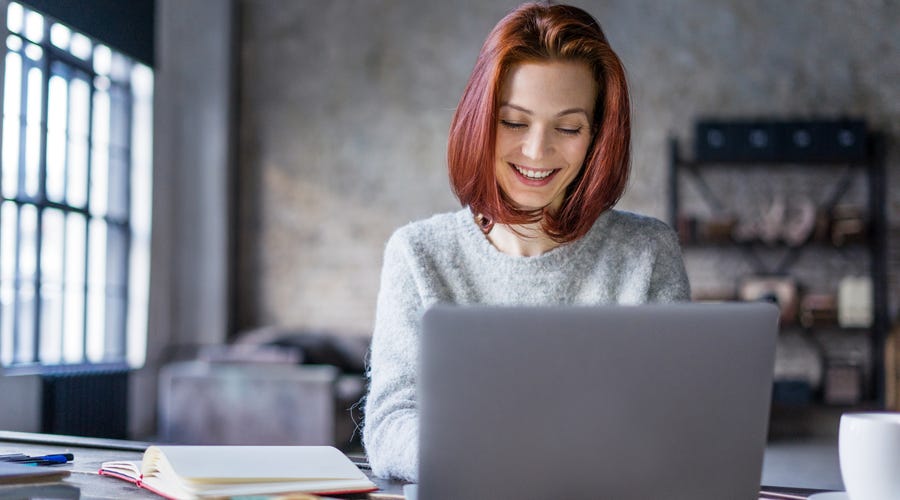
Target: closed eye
{"x":512,"y":125}
{"x":569,"y":131}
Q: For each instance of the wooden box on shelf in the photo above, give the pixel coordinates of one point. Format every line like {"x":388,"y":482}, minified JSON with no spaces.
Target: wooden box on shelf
{"x":892,"y":370}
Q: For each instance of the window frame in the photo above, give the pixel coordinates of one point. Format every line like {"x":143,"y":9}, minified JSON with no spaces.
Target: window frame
{"x":121,"y":327}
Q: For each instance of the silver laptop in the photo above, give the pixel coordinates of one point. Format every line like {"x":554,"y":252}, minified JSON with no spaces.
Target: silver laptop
{"x":613,"y":402}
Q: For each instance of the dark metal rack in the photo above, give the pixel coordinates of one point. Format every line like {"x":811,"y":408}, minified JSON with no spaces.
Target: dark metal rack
{"x":779,"y":149}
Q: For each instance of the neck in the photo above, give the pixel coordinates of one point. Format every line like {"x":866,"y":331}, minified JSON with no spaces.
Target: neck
{"x":522,"y":241}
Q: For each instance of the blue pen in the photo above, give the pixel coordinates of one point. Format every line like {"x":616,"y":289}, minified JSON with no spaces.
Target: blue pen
{"x":60,"y":458}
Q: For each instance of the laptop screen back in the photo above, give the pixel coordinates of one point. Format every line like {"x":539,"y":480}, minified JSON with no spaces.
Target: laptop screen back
{"x":623,"y":402}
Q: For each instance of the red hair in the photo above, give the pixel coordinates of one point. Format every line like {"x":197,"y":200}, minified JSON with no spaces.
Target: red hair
{"x":534,"y":33}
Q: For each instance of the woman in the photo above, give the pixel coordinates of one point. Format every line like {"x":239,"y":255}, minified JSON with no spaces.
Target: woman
{"x":538,"y":154}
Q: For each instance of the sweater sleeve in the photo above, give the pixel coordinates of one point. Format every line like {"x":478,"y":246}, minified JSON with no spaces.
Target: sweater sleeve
{"x":668,"y":280}
{"x":391,"y":425}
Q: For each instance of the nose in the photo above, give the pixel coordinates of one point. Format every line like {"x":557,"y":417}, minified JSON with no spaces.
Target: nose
{"x":535,"y":144}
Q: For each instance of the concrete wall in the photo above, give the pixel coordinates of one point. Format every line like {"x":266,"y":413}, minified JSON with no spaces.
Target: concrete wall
{"x":345,"y":108}
{"x":194,"y":121}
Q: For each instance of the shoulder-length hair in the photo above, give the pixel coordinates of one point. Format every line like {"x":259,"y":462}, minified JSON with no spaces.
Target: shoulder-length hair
{"x":533,"y":33}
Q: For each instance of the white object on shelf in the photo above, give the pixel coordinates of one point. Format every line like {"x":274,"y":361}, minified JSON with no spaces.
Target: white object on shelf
{"x":855,"y":302}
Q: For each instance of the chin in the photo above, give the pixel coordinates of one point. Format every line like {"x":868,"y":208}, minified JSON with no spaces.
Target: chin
{"x":530,"y":204}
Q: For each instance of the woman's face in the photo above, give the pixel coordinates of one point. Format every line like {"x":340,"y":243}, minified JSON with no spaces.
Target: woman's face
{"x":544,"y":130}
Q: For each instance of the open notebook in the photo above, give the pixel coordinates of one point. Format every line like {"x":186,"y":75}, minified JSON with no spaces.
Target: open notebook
{"x":185,"y":472}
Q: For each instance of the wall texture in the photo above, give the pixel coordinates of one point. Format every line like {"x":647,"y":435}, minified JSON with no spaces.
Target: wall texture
{"x":194,"y":117}
{"x":345,"y":107}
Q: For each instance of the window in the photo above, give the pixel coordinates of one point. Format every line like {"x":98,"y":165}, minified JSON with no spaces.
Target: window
{"x":75,"y":197}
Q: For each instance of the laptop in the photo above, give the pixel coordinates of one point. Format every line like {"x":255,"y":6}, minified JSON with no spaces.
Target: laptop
{"x":612,"y":402}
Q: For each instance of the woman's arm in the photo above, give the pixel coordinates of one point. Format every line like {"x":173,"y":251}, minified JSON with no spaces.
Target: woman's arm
{"x":391,"y":426}
{"x":668,"y":280}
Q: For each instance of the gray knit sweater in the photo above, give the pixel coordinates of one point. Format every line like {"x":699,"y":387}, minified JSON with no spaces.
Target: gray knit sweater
{"x":624,"y":259}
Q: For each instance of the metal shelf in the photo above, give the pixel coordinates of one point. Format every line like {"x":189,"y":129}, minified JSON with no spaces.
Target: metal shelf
{"x":872,"y":164}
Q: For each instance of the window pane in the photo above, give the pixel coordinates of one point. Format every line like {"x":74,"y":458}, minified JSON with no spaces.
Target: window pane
{"x":117,"y":258}
{"x":8,"y":241}
{"x":117,"y":178}
{"x":12,"y":123}
{"x":80,"y":46}
{"x":117,"y":279}
{"x":27,"y":243}
{"x":73,"y":337}
{"x":25,"y":340}
{"x":121,"y":68}
{"x":115,"y":321}
{"x":14,"y":43}
{"x":33,"y":132}
{"x":100,"y":154}
{"x":15,"y":16}
{"x":60,"y":35}
{"x":8,"y":244}
{"x":12,"y":96}
{"x":52,"y":249}
{"x":51,"y":324}
{"x":52,"y":257}
{"x":34,"y":52}
{"x":116,"y":289}
{"x":57,"y":106}
{"x":96,"y":319}
{"x":118,"y":185}
{"x":102,"y":60}
{"x":34,"y":26}
{"x":79,"y":116}
{"x":7,"y":310}
{"x":119,"y":127}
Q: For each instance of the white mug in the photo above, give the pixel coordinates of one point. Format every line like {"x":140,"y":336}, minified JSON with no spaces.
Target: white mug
{"x":869,"y":450}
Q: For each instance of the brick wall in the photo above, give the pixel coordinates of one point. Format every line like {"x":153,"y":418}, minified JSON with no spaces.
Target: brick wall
{"x":345,"y":107}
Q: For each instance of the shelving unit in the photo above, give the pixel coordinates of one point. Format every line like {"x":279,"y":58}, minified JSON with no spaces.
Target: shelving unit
{"x":841,"y":149}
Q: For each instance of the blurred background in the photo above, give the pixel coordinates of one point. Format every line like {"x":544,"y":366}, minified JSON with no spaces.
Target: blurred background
{"x":282,"y":141}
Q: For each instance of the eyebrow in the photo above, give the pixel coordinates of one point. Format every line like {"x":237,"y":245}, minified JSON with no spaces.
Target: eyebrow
{"x":564,"y":112}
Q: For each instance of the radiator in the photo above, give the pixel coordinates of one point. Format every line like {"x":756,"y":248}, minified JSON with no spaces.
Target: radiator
{"x":85,"y":400}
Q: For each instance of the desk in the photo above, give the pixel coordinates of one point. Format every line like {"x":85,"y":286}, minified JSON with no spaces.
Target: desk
{"x":85,"y":483}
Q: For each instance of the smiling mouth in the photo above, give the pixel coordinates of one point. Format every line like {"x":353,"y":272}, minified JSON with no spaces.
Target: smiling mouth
{"x":535,"y":176}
